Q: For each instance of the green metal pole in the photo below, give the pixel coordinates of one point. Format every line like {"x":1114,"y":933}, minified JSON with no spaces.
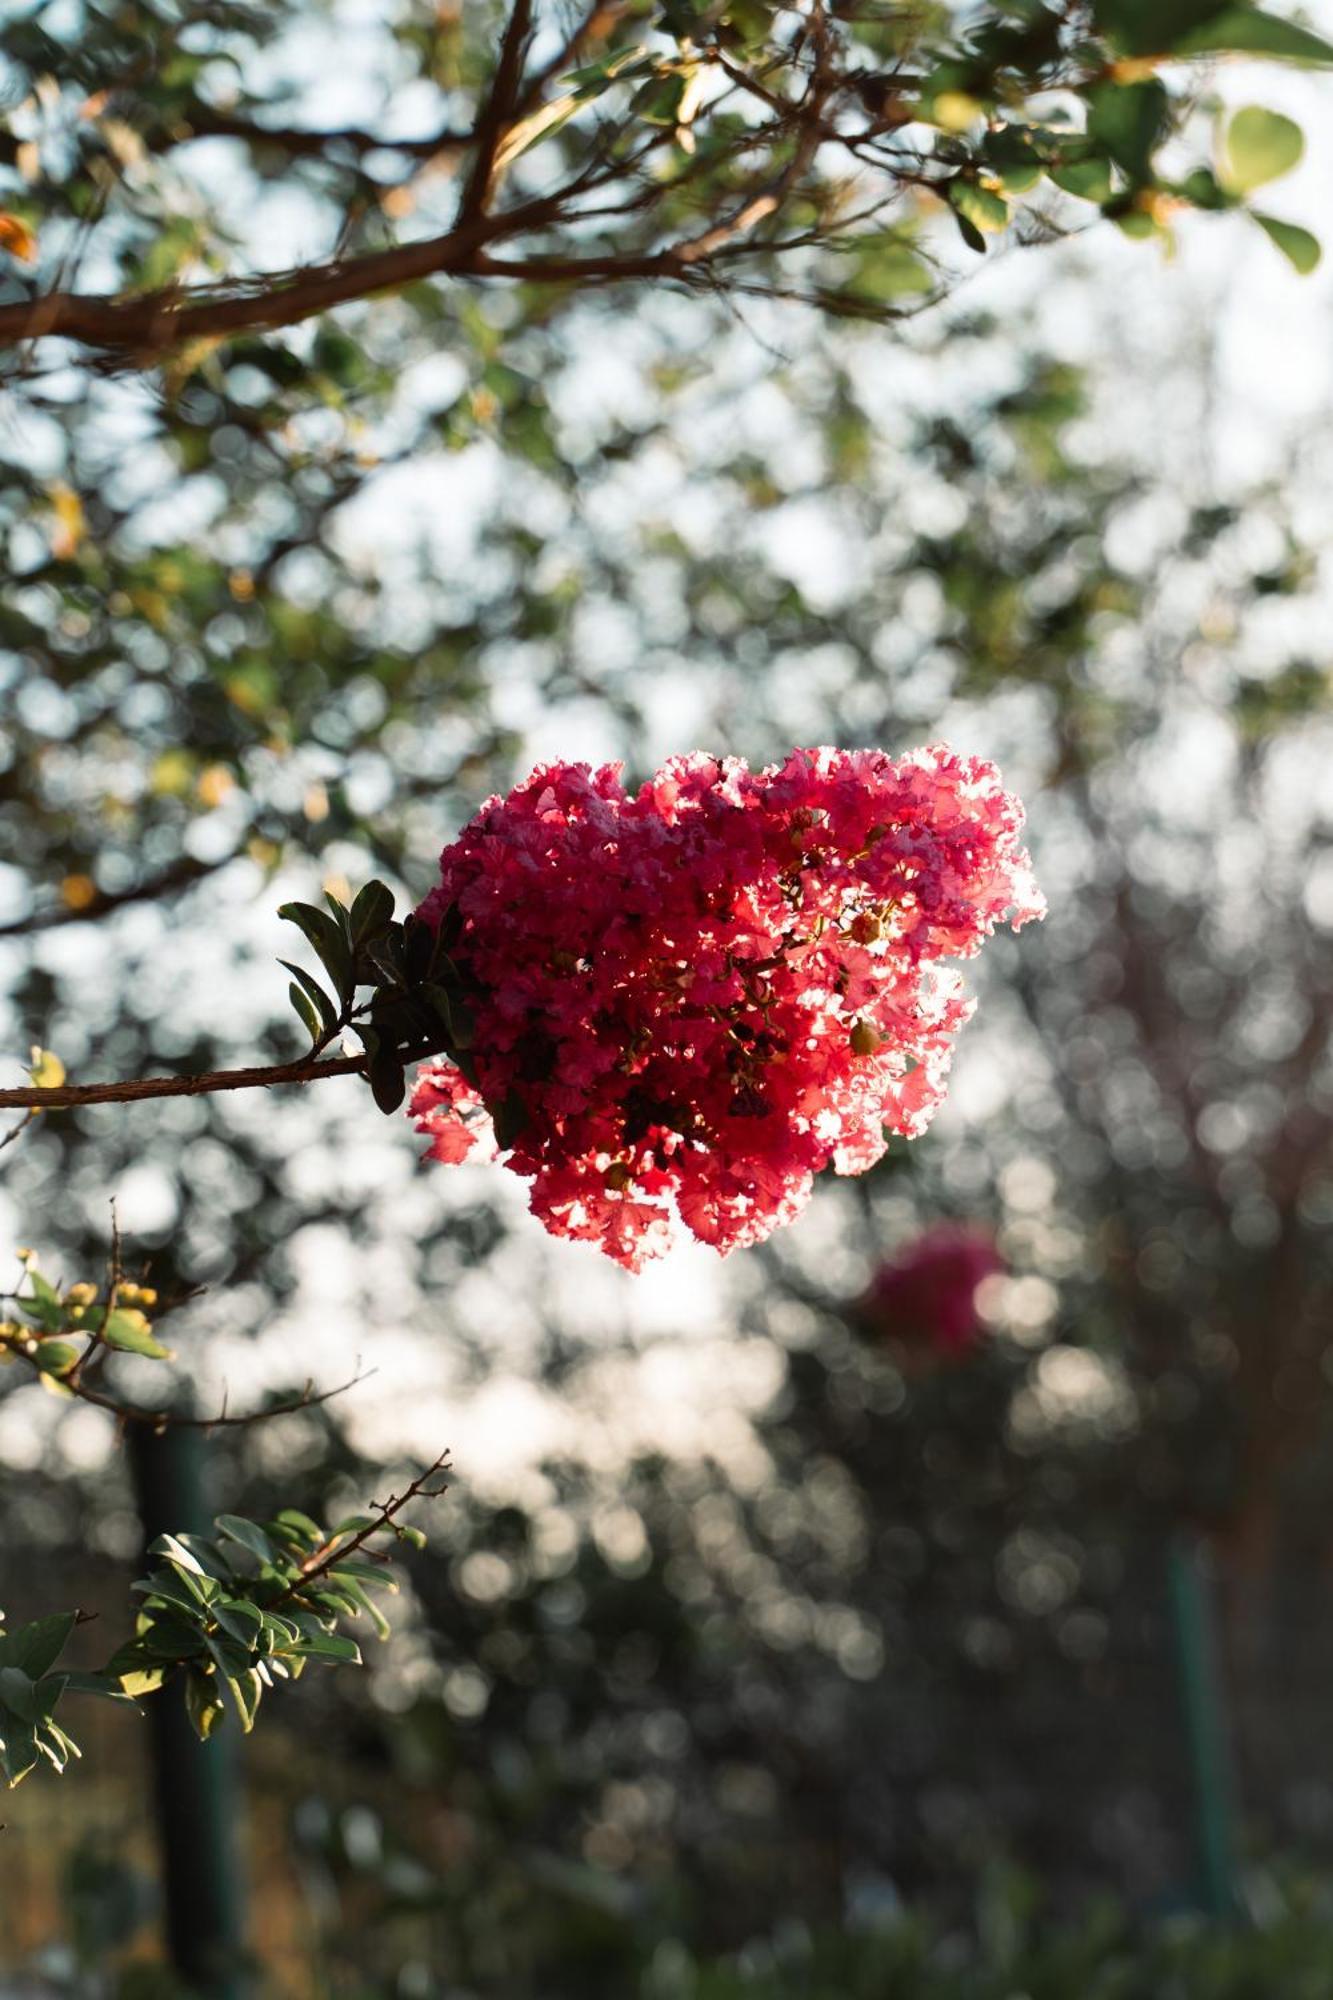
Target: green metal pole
{"x":194,"y":1783}
{"x":1204,"y":1715}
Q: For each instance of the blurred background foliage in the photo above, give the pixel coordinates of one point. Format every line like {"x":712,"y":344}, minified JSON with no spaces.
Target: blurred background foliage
{"x":760,"y":1648}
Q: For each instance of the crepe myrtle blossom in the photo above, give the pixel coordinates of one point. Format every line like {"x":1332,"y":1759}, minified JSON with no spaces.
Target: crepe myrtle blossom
{"x":692,"y":998}
{"x":927,"y":1294}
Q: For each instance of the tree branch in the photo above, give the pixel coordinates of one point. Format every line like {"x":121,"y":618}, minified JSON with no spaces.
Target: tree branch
{"x":67,"y":1096}
{"x":320,"y":1561}
{"x":141,"y":327}
{"x":500,"y":106}
{"x":201,"y":121}
{"x":163,"y":1420}
{"x":180,"y":875}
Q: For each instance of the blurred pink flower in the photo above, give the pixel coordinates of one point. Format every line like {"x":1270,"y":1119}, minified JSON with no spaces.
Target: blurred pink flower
{"x":928,"y":1292}
{"x":696,"y":997}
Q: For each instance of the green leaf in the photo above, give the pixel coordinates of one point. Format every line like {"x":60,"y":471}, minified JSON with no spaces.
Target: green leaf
{"x":1250,"y":31}
{"x":1151,"y":27}
{"x":36,"y":1647}
{"x":451,"y":1014}
{"x":1261,"y":146}
{"x":103,"y":1685}
{"x":371,"y":912}
{"x":328,"y":1013}
{"x":593,"y":78}
{"x":388,"y":1085}
{"x":1297,"y":245}
{"x":983,"y":208}
{"x":330,"y":1646}
{"x":177,"y":1553}
{"x":509,"y":1118}
{"x":539,"y":124}
{"x":327,"y":937}
{"x":128,"y":1331}
{"x":1128,"y":121}
{"x":246,"y":1690}
{"x":203,"y":1704}
{"x":18,"y":1753}
{"x":377,"y":1574}
{"x":249,"y":1534}
{"x":44,"y":1306}
{"x":969,"y":232}
{"x":305,"y":1013}
{"x":240,"y":1621}
{"x":1202,"y":188}
{"x":1089,"y":180}
{"x":56,"y":1357}
{"x":292,"y":1518}
{"x":55,"y":1745}
{"x":345,"y":1580}
{"x":885,"y":267}
{"x":18,"y":1692}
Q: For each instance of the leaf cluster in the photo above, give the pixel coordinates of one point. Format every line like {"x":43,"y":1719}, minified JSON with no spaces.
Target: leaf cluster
{"x":421,"y":1003}
{"x":230,"y":1615}
{"x":246,"y":1608}
{"x":58,"y":1330}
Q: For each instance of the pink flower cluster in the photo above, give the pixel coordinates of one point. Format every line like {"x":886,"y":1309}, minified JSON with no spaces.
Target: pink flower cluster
{"x":928,"y":1293}
{"x":699,"y":995}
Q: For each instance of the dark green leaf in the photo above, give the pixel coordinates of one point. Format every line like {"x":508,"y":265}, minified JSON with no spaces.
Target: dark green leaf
{"x":1089,"y":180}
{"x":1250,"y":31}
{"x":371,"y":913}
{"x":969,"y":232}
{"x":202,"y":1704}
{"x":18,"y":1692}
{"x":328,"y":1012}
{"x":1128,"y":121}
{"x":509,"y":1118}
{"x":419,"y":942}
{"x":329,"y":941}
{"x":388,"y":1085}
{"x":1151,"y":27}
{"x":306,"y":1013}
{"x":1297,"y":245}
{"x":330,"y":1646}
{"x":36,"y":1647}
{"x":249,"y":1534}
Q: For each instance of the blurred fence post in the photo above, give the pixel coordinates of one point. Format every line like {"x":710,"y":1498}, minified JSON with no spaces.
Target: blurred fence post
{"x":194,"y":1783}
{"x":1204,"y":1714}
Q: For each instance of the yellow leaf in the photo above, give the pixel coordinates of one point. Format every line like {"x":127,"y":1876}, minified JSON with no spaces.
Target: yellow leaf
{"x":47,"y":1071}
{"x":78,"y":891}
{"x":954,"y":111}
{"x":214,"y":785}
{"x":17,"y":238}
{"x":70,"y":524}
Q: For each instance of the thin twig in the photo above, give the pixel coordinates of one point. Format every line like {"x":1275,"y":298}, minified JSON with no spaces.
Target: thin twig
{"x":17,"y":1131}
{"x":67,"y":1096}
{"x":501,"y":104}
{"x":320,"y":1561}
{"x":180,"y":875}
{"x":164,"y":1420}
